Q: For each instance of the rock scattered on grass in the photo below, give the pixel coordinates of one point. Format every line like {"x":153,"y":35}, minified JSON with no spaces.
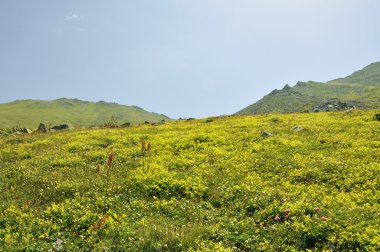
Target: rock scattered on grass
{"x":266,"y":134}
{"x":377,"y":117}
{"x":62,"y":127}
{"x":297,"y":128}
{"x":42,"y":128}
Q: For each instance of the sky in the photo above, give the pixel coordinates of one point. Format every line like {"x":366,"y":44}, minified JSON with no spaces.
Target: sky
{"x":181,"y":58}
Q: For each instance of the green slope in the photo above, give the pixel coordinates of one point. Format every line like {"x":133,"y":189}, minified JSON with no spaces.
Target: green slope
{"x":29,"y":113}
{"x":369,"y":75}
{"x":361,"y":90}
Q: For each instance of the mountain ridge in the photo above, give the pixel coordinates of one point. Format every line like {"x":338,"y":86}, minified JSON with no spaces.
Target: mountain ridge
{"x":361,"y":89}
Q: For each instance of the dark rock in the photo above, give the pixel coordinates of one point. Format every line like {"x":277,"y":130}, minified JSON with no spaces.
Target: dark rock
{"x":190,"y":119}
{"x":61,"y":127}
{"x":209,"y":120}
{"x":42,"y":128}
{"x":146,"y":122}
{"x":266,"y":134}
{"x":25,"y":130}
{"x":377,"y":117}
{"x":127,"y":124}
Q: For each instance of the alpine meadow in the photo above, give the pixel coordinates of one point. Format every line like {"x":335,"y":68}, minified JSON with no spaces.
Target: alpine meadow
{"x":190,"y":126}
{"x":281,"y":182}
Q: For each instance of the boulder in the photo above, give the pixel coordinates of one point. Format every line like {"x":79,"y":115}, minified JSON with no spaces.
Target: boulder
{"x":297,"y":128}
{"x":41,"y":128}
{"x":61,"y":127}
{"x":127,"y":124}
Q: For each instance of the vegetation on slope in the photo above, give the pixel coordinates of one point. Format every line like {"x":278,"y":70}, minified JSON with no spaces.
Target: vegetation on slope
{"x":29,"y":113}
{"x":201,"y":185}
{"x":360,"y":90}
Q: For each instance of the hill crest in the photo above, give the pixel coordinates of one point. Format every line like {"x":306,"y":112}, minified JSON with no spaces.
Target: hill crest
{"x":79,"y":113}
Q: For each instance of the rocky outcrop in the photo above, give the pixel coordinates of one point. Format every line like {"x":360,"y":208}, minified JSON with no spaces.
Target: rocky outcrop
{"x":333,"y":106}
{"x":25,"y":130}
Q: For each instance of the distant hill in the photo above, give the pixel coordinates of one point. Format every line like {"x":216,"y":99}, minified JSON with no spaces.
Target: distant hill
{"x":361,"y":90}
{"x":29,"y":113}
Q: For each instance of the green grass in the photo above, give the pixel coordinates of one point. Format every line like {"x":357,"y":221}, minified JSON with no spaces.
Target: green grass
{"x":203,"y":185}
{"x":361,"y":90}
{"x":29,"y":113}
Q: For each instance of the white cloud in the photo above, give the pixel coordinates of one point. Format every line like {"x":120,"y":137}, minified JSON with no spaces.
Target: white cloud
{"x":72,"y":17}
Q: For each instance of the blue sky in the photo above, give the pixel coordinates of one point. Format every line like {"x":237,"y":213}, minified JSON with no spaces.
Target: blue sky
{"x":183,"y":58}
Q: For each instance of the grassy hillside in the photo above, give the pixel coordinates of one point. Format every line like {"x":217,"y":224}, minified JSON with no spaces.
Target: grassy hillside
{"x":201,"y":185}
{"x":29,"y":113}
{"x":369,"y":75}
{"x":360,"y":90}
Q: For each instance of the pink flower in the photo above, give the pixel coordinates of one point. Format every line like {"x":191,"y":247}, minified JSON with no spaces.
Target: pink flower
{"x":277,"y":218}
{"x":324,"y":219}
{"x":286,"y":216}
{"x":287,"y":210}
